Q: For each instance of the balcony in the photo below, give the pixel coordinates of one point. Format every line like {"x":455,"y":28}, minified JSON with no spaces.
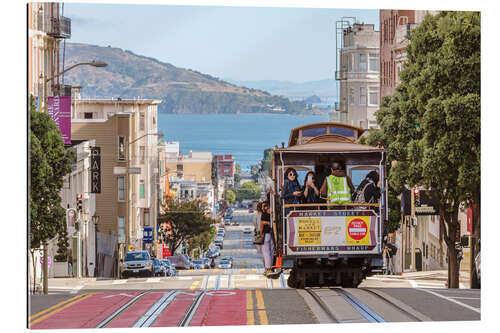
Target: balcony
{"x":62,"y":90}
{"x":57,"y":27}
{"x":340,"y":75}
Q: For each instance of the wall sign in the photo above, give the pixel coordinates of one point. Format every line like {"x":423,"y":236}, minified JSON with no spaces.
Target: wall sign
{"x":95,"y":169}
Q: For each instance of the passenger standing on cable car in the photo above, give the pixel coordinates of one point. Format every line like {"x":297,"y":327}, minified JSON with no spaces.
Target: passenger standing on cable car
{"x":337,"y":187}
{"x":311,"y":192}
{"x":291,"y":189}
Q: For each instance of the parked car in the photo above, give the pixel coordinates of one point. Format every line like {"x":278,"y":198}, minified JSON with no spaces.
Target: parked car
{"x":227,"y":221}
{"x":159,"y":268}
{"x":199,"y":264}
{"x":235,"y":223}
{"x":137,"y":263}
{"x":179,"y":261}
{"x":225,"y":263}
{"x":247,"y":230}
{"x":218,"y":242}
{"x":206,"y":263}
{"x":191,"y":265}
{"x":170,"y":269}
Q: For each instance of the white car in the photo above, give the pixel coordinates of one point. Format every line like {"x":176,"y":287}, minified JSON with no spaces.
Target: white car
{"x":247,"y":230}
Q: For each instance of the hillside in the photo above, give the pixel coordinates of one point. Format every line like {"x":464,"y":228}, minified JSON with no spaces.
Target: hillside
{"x":129,"y":75}
{"x":325,"y":89}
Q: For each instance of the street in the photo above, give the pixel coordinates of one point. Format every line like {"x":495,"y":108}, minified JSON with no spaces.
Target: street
{"x":241,"y":295}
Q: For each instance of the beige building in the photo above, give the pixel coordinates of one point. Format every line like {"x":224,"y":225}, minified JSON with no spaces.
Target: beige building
{"x":357,"y":75}
{"x":126,"y":131}
{"x":190,"y":176}
{"x":47,"y":28}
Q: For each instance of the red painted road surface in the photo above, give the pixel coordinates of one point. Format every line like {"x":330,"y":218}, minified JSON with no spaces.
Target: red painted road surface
{"x":217,"y":308}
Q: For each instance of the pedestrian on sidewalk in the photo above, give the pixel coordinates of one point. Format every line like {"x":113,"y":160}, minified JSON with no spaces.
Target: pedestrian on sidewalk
{"x":388,"y":254}
{"x":265,"y":229}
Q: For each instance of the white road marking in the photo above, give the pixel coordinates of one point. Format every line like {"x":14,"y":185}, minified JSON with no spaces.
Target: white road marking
{"x":458,"y":297}
{"x":119,"y":281}
{"x":151,"y":280}
{"x":184,"y":278}
{"x":452,"y":300}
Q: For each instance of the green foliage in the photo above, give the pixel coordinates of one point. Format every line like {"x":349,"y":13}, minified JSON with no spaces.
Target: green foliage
{"x":189,"y":221}
{"x":248,"y":191}
{"x":49,"y":162}
{"x":266,"y":162}
{"x":431,"y":124}
{"x":230,"y":196}
{"x":62,"y":245}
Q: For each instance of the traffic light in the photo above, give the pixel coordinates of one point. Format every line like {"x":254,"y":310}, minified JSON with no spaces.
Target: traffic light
{"x":79,"y":202}
{"x":416,"y":193}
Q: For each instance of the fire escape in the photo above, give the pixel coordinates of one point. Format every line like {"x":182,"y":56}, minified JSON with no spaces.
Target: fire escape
{"x":57,"y":28}
{"x":342,"y":27}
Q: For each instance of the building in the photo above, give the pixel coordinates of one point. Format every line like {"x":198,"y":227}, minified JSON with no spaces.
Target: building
{"x":81,"y":228}
{"x":357,"y":74}
{"x":190,"y":176}
{"x":224,"y":168}
{"x":395,"y":26}
{"x":126,"y":132}
{"x":46,"y":29}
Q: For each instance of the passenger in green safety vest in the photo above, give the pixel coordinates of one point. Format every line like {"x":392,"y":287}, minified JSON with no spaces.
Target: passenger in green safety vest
{"x":337,"y":187}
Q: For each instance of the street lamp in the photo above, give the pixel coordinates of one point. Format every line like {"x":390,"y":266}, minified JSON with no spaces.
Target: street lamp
{"x":95,"y":220}
{"x":45,"y":81}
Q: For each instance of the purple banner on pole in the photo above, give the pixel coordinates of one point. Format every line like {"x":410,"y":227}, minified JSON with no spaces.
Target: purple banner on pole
{"x":59,"y":109}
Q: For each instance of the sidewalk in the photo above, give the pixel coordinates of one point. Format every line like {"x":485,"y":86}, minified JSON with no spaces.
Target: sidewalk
{"x":440,"y":275}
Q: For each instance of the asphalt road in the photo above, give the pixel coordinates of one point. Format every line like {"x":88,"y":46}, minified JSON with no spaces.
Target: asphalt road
{"x":242,"y":296}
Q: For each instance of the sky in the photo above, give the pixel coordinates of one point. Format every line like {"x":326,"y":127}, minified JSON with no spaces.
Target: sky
{"x":239,"y":43}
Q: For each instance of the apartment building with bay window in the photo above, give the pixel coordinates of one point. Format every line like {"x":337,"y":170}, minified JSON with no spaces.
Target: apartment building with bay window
{"x":357,"y":76}
{"x":127,"y":133}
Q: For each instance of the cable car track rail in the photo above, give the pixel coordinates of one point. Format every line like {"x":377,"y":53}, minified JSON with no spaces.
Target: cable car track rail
{"x":322,"y":304}
{"x":362,"y":308}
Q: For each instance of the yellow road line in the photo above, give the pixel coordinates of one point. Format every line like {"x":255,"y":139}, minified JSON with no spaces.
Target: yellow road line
{"x":55,"y":306}
{"x":250,"y":315}
{"x":60,"y":309}
{"x":195,"y":283}
{"x":260,"y":305}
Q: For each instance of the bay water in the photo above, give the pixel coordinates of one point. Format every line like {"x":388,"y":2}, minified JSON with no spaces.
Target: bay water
{"x":245,"y":136}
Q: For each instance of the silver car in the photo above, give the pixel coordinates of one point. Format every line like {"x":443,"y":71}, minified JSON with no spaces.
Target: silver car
{"x":137,"y":263}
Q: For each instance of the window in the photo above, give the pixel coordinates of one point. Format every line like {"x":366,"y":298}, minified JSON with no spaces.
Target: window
{"x":121,"y":188}
{"x":362,"y":96}
{"x":121,"y":148}
{"x":141,"y":189}
{"x":362,"y":62}
{"x":374,"y":62}
{"x":121,"y":229}
{"x":142,"y":121}
{"x":342,"y":131}
{"x":311,"y":132}
{"x":351,"y":61}
{"x":373,"y":96}
{"x":142,"y":154}
{"x":88,"y":115}
{"x":351,"y":96}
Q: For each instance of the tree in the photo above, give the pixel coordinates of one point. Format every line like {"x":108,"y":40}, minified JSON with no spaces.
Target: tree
{"x":248,"y":191}
{"x":230,"y":196}
{"x":266,"y":162}
{"x":49,"y":163}
{"x":237,"y":175}
{"x":188,"y":221}
{"x":431,"y":124}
